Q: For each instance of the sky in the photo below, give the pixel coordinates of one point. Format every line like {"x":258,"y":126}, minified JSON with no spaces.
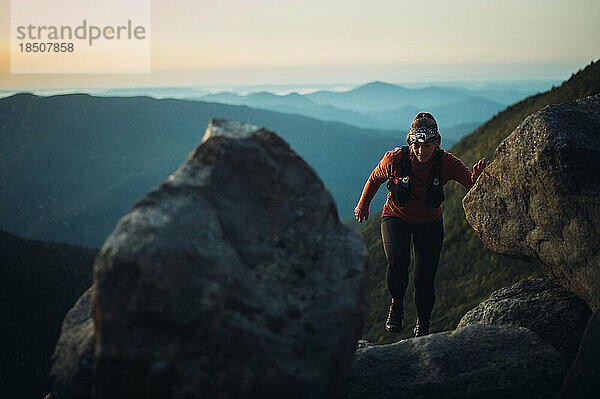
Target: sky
{"x":236,"y":42}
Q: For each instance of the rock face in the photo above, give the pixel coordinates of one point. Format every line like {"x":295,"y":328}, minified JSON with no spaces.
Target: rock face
{"x":233,"y":279}
{"x":473,"y":362}
{"x":583,"y":379}
{"x":540,"y":305}
{"x":72,"y":361}
{"x":539,"y":200}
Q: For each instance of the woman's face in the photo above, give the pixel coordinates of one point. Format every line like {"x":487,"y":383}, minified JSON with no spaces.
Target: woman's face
{"x":423,"y":151}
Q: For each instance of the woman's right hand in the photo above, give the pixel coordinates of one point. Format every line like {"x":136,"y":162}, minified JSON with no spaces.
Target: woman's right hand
{"x":361,"y":214}
{"x":479,"y":167}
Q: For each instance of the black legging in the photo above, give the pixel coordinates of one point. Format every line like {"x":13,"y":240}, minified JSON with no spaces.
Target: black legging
{"x":427,"y":244}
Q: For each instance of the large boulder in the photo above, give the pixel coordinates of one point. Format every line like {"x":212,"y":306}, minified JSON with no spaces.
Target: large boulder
{"x":71,"y":370}
{"x":539,"y":200}
{"x":583,"y":379}
{"x":484,"y":362}
{"x":541,"y":305}
{"x":232,"y":279}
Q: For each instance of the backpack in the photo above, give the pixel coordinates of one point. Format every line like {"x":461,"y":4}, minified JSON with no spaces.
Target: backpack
{"x":399,"y":187}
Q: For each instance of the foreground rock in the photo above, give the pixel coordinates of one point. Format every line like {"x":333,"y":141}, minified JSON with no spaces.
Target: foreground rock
{"x":72,"y":361}
{"x":233,"y":279}
{"x":540,"y":198}
{"x":473,"y":362}
{"x":583,"y":379}
{"x":541,"y":305}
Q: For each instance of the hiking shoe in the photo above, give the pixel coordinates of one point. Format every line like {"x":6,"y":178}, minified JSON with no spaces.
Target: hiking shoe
{"x":421,"y":328}
{"x":394,"y":319}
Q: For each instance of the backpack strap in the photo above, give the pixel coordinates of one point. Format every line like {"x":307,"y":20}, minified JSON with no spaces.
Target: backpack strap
{"x":405,"y":164}
{"x":438,"y":163}
{"x":434,"y":196}
{"x":436,"y":170}
{"x":399,"y":184}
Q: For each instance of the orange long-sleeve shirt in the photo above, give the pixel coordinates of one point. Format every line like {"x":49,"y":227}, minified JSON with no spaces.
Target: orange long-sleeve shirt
{"x":415,"y":210}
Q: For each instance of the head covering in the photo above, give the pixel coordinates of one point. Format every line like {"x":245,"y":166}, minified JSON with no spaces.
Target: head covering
{"x":423,"y":129}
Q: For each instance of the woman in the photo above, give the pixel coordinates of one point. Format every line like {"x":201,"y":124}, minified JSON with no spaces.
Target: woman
{"x":416,"y":175}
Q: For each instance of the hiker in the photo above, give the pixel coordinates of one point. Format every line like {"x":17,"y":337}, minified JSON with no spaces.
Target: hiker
{"x":416,"y":175}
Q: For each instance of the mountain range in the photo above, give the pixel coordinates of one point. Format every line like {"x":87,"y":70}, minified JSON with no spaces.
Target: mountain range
{"x":376,"y":105}
{"x":73,"y":164}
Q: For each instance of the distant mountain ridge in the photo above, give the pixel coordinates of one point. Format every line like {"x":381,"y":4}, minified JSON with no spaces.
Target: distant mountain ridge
{"x":380,"y":96}
{"x":297,"y":104}
{"x":480,"y":100}
{"x":467,"y":110}
{"x":373,"y":105}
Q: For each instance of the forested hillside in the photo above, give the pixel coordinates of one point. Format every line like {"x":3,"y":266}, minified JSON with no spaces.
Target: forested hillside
{"x":39,"y":282}
{"x":468,"y":271}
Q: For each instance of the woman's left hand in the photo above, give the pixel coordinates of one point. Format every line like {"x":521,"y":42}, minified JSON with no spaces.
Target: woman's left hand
{"x":479,"y":167}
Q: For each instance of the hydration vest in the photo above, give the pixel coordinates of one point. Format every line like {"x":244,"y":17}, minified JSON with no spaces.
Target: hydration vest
{"x":400,"y":187}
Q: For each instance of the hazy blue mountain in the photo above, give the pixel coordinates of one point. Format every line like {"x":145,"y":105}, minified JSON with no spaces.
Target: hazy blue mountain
{"x":298,"y":104}
{"x":465,"y":110}
{"x":451,"y":135}
{"x":371,"y":97}
{"x":380,"y":96}
{"x":265,"y":98}
{"x":471,"y":109}
{"x":157,"y":92}
{"x":510,"y":92}
{"x":225,"y":97}
{"x":72,"y":165}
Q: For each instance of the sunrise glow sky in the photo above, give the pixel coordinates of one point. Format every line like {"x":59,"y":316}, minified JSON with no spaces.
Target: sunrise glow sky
{"x":220,"y":42}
